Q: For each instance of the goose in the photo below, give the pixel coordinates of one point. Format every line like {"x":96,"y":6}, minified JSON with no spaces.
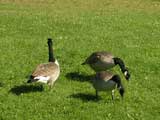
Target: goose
{"x":101,"y":61}
{"x":46,"y":72}
{"x":107,"y":81}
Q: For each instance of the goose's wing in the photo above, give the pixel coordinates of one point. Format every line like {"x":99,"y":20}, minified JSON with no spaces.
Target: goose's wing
{"x":45,"y":70}
{"x":99,"y":56}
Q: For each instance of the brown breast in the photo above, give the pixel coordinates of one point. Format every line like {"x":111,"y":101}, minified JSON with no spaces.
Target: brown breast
{"x":104,"y":75}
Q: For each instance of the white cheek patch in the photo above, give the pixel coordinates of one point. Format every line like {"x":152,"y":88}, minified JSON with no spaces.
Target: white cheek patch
{"x":125,"y":73}
{"x":56,"y":62}
{"x":42,"y":79}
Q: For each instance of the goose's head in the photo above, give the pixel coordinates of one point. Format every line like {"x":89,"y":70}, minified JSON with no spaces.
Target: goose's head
{"x":127,"y":74}
{"x":50,"y":41}
{"x":121,"y":92}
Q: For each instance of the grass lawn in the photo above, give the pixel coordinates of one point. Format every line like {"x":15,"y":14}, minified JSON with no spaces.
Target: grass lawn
{"x":130,"y":29}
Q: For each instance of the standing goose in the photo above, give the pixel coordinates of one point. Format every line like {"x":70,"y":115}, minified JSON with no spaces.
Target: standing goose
{"x":46,"y":72}
{"x":101,"y":61}
{"x":106,"y":81}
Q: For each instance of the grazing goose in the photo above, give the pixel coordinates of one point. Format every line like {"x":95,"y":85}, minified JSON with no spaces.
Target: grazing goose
{"x":46,"y":72}
{"x":101,"y":61}
{"x":106,"y":81}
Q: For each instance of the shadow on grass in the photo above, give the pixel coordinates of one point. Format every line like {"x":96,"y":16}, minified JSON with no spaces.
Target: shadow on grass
{"x":18,"y":90}
{"x":1,"y":84}
{"x":85,"y":97}
{"x":79,"y":77}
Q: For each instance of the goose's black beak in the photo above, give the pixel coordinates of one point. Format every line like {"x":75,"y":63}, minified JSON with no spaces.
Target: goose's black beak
{"x":121,"y":91}
{"x":83,"y":63}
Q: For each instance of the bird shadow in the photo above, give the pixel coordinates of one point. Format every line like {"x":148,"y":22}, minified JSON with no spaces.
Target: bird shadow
{"x":85,"y":97}
{"x":76,"y":76}
{"x":18,"y":90}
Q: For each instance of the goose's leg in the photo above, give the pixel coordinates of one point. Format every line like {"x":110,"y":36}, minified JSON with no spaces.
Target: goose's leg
{"x":96,"y":93}
{"x":112,"y":94}
{"x":50,"y":85}
{"x":41,"y":87}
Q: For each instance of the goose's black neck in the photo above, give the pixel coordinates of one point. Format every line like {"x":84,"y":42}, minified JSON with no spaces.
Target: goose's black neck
{"x":122,"y":66}
{"x":120,"y":63}
{"x":117,"y":80}
{"x":50,"y":49}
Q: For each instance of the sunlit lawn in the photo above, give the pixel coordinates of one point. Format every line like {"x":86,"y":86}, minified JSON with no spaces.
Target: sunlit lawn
{"x":129,"y":29}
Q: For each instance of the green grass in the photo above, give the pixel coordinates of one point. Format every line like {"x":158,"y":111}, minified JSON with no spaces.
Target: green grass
{"x":129,"y":29}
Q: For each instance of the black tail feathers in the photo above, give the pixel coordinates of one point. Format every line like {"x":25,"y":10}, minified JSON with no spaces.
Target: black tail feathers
{"x":31,"y":79}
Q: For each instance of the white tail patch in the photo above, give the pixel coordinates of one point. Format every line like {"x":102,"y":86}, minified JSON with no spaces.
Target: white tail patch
{"x":42,"y":79}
